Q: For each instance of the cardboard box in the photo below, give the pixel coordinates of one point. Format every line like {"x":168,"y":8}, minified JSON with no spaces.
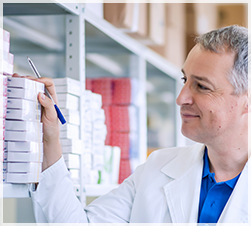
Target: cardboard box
{"x":25,"y":126}
{"x":15,"y":103}
{"x":174,"y":48}
{"x":23,"y":136}
{"x":121,"y":15}
{"x":25,"y":83}
{"x":22,"y":177}
{"x":24,"y":146}
{"x":23,"y":114}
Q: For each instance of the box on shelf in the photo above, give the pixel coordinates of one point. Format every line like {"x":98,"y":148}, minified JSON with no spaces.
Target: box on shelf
{"x":71,"y":149}
{"x":23,"y":157}
{"x":71,"y":116}
{"x":110,"y":174}
{"x":22,"y":177}
{"x":24,"y":146}
{"x":24,"y":83}
{"x":75,"y":175}
{"x":23,"y":94}
{"x":174,"y":47}
{"x":27,"y":126}
{"x":62,"y":104}
{"x":23,"y":167}
{"x":67,"y":97}
{"x":67,"y":134}
{"x":23,"y":136}
{"x":23,"y":114}
{"x":121,"y":15}
{"x":15,"y":103}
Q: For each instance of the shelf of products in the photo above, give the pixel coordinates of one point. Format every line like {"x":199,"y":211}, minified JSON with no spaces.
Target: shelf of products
{"x":62,"y":29}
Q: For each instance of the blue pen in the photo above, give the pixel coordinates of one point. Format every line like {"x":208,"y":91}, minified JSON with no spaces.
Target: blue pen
{"x":60,"y":115}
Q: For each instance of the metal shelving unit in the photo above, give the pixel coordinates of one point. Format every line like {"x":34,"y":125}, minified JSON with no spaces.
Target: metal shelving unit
{"x":73,"y":25}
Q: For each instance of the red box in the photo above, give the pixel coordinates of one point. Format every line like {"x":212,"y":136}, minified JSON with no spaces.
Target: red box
{"x":124,"y":170}
{"x":88,"y":84}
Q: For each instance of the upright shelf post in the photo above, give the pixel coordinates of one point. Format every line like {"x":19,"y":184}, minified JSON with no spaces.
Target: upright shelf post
{"x":75,"y":68}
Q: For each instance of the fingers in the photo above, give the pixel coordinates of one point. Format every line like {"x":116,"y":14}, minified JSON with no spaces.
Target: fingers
{"x":49,"y":109}
{"x":48,"y":82}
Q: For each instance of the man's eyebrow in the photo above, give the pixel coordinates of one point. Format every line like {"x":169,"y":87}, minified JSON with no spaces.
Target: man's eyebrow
{"x":199,"y":78}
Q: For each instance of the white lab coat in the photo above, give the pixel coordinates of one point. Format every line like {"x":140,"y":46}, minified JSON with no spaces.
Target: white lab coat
{"x":165,"y":189}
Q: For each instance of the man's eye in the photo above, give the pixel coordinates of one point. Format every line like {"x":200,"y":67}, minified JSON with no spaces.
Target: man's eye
{"x":184,"y":79}
{"x":202,"y":87}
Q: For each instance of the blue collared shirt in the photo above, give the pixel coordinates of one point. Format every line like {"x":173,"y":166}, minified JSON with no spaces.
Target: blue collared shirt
{"x":213,"y":195}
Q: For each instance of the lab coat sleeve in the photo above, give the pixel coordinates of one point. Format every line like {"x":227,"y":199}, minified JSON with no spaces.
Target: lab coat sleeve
{"x":54,"y":201}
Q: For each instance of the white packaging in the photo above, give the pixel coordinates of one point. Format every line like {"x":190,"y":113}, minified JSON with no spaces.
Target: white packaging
{"x":23,"y":136}
{"x":68,"y":105}
{"x":27,"y":126}
{"x":23,"y":114}
{"x":99,"y":135}
{"x":87,"y":160}
{"x":68,"y":98}
{"x":71,"y":116}
{"x":7,"y":67}
{"x":72,"y":165}
{"x":90,"y":176}
{"x":98,"y":161}
{"x":110,"y":173}
{"x":98,"y":115}
{"x":26,"y":146}
{"x":71,"y":157}
{"x":69,"y":127}
{"x":66,"y":82}
{"x":68,"y":89}
{"x":24,"y":167}
{"x":75,"y":175}
{"x":98,"y":148}
{"x":71,"y":149}
{"x":66,"y":134}
{"x":4,"y":177}
{"x":24,"y":157}
{"x":71,"y":142}
{"x":87,"y":126}
{"x":94,"y":99}
{"x":22,"y":177}
{"x":88,"y":144}
{"x":23,"y":93}
{"x":88,"y":115}
{"x":15,"y":103}
{"x":25,"y":83}
{"x":5,"y":102}
{"x":98,"y":125}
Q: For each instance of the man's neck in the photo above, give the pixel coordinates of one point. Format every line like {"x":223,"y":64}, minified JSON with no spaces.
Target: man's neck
{"x":227,"y":160}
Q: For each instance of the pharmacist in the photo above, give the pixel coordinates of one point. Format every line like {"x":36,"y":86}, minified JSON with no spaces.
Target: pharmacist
{"x":204,"y":183}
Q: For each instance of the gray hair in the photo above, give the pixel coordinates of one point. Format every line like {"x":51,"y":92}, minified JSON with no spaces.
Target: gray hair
{"x":234,"y":39}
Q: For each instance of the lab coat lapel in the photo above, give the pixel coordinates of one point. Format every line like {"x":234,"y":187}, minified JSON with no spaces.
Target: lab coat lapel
{"x":236,"y":209}
{"x":182,"y":194}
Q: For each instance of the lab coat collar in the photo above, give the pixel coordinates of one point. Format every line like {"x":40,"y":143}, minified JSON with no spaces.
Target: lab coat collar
{"x":182,"y":194}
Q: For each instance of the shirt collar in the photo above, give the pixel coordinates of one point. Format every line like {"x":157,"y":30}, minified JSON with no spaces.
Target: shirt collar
{"x":206,"y":172}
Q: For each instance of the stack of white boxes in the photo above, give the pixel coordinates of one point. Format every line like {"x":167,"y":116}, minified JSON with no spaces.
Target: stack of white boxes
{"x":94,"y":138}
{"x":7,"y":69}
{"x":3,"y":96}
{"x":68,"y":93}
{"x":23,"y":131}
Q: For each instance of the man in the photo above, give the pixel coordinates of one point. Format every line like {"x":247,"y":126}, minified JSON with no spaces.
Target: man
{"x":205,"y":183}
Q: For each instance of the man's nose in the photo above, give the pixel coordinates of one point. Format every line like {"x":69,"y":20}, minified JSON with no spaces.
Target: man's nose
{"x":185,"y":96}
